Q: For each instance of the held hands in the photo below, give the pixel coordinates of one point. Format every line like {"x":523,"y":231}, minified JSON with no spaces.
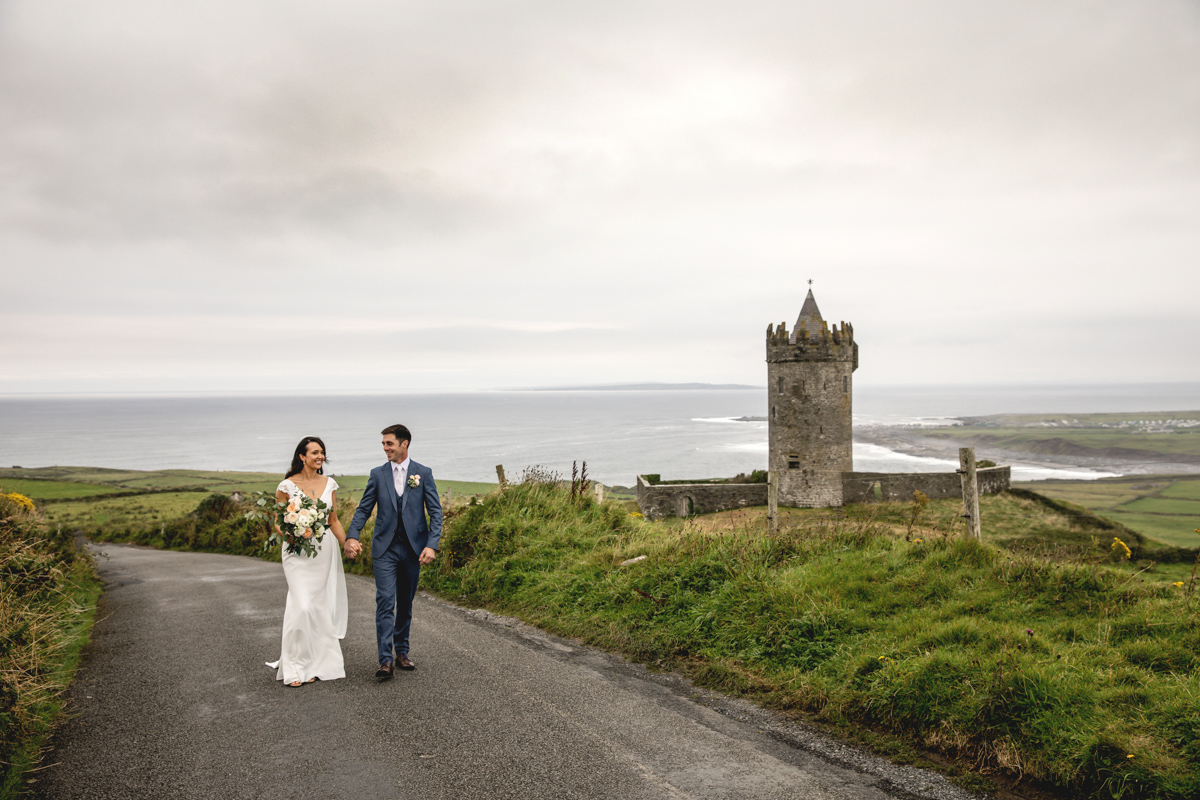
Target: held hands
{"x":352,"y":548}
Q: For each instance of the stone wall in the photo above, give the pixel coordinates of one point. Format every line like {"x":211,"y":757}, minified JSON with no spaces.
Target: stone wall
{"x":685,"y":499}
{"x":859,"y":487}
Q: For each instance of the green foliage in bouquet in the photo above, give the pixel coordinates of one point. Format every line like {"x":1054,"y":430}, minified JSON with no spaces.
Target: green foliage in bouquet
{"x":296,"y":525}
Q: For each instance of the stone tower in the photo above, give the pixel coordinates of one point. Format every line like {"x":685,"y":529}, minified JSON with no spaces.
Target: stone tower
{"x":809,"y":386}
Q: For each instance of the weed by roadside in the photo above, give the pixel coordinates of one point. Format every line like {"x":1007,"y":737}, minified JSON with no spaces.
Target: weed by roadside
{"x":48,"y":597}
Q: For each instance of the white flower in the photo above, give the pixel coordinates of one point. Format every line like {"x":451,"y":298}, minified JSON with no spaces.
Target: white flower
{"x":414,"y":481}
{"x":291,"y":518}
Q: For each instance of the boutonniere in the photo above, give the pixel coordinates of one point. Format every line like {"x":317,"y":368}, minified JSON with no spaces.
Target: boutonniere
{"x":414,"y":481}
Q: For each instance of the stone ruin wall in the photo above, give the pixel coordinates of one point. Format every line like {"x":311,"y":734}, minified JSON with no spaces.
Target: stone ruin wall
{"x":859,"y":487}
{"x":686,"y":499}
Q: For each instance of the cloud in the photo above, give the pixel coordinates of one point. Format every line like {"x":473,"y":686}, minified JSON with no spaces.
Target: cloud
{"x":657,"y":180}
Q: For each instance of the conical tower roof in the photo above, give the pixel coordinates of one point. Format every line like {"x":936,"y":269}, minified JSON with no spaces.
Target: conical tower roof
{"x":810,"y":316}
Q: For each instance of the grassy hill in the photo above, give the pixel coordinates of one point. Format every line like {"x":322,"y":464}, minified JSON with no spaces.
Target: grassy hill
{"x":1047,"y":658}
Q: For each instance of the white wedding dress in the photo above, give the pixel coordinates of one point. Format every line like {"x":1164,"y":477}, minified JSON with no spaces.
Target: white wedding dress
{"x":314,"y":619}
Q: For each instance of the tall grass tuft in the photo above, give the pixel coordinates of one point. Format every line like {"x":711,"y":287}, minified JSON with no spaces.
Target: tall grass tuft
{"x":1078,"y":675}
{"x":48,"y":598}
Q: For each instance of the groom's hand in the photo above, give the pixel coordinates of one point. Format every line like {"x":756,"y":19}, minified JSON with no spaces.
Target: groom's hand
{"x":427,"y":556}
{"x":352,"y":548}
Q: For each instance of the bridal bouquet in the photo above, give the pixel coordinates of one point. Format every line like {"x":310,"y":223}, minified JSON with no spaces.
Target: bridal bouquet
{"x":302,"y":520}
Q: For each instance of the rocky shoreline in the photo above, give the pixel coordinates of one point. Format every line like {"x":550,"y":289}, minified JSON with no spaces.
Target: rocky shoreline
{"x":908,"y":440}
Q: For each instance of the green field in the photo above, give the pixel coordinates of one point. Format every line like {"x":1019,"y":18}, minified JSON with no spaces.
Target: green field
{"x":1163,"y":505}
{"x":54,"y":490}
{"x":75,"y":497}
{"x":1186,"y":489}
{"x":1166,"y":508}
{"x":144,"y":510}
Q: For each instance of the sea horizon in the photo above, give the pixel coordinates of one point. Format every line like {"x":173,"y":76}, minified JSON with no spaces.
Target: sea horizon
{"x":676,"y":432}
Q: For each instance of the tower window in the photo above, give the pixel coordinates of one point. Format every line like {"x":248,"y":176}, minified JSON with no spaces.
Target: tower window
{"x":793,"y":462}
{"x":845,"y":383}
{"x":774,"y":413}
{"x":781,"y":385}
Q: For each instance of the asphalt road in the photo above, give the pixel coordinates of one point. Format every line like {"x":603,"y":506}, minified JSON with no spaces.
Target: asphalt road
{"x":174,"y":701}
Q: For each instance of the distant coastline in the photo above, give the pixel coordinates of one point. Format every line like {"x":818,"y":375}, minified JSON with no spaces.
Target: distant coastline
{"x":645,"y":387}
{"x":1128,"y":443}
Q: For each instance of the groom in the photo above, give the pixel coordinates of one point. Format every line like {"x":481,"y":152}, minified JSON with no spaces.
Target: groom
{"x":403,"y":491}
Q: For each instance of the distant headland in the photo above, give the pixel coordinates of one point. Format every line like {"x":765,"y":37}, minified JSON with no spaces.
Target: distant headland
{"x":641,"y":387}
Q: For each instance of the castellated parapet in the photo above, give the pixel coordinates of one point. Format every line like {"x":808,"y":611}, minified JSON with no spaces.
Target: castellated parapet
{"x":809,"y":389}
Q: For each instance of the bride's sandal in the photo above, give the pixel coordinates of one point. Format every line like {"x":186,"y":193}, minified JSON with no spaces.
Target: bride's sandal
{"x":294,"y":685}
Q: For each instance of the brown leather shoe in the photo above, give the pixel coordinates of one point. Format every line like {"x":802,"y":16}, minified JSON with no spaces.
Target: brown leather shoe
{"x":385,"y":670}
{"x":404,"y":663}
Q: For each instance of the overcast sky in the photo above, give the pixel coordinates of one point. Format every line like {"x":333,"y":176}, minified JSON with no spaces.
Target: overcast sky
{"x":411,"y":195}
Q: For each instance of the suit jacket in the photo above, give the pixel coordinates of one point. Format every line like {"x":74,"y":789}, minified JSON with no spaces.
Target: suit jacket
{"x":380,"y":494}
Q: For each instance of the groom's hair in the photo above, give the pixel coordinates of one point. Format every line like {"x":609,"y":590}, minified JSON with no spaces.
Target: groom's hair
{"x":401,"y":433}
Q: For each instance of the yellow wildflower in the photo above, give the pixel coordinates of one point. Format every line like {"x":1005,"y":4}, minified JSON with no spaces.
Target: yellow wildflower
{"x":19,"y":500}
{"x":1117,"y":543}
{"x":1177,"y":583}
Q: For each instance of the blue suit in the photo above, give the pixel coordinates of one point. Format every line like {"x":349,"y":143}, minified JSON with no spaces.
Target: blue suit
{"x":401,"y":533}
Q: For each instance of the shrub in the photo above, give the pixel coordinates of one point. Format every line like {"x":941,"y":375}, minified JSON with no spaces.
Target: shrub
{"x":45,"y":590}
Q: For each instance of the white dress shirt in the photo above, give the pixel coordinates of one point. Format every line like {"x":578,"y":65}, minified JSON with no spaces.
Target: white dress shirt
{"x":400,"y":476}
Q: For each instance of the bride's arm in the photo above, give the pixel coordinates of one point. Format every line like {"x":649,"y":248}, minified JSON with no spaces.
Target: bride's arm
{"x":335,"y":524}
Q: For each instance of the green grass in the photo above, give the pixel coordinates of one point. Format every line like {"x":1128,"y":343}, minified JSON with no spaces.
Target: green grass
{"x":1058,"y":671}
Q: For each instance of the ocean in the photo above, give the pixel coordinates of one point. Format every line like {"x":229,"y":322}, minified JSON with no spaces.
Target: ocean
{"x":693,"y":433}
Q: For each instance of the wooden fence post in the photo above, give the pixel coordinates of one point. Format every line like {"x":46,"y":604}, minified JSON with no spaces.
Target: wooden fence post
{"x":970,"y":490}
{"x":772,"y":503}
{"x":500,"y":474}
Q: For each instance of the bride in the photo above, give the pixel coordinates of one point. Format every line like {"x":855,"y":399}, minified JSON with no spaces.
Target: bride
{"x":314,"y":618}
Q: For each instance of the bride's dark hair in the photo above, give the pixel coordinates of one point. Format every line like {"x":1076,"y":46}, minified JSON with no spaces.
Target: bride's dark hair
{"x":297,"y":465}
